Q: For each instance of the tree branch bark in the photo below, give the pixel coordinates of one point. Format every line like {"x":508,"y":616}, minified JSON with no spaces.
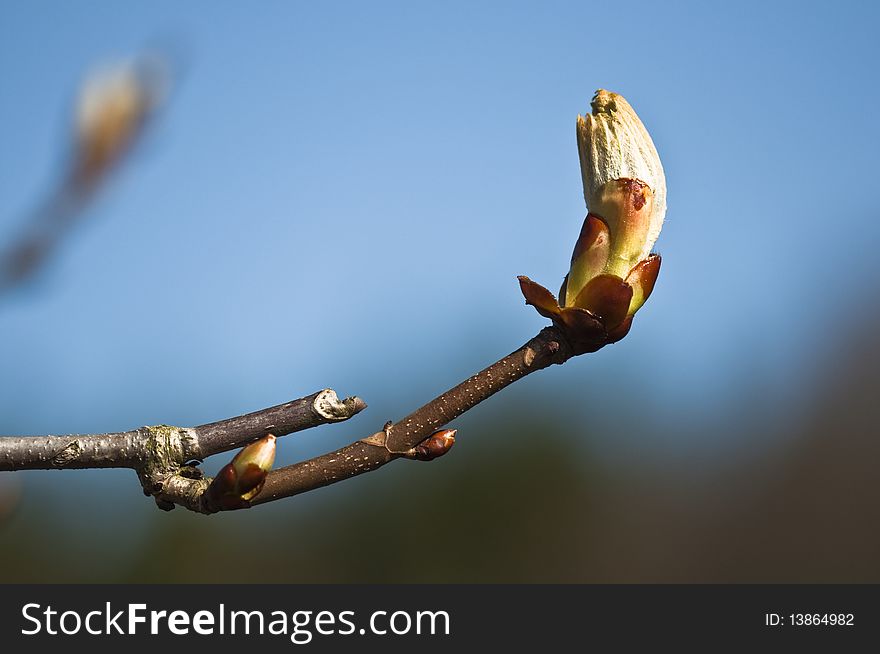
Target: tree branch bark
{"x":398,"y":440}
{"x":137,"y":448}
{"x":316,"y":409}
{"x":120,"y":450}
{"x":163,"y":455}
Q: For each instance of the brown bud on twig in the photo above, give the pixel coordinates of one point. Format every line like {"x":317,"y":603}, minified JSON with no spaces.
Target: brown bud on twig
{"x":241,"y":480}
{"x":435,"y":445}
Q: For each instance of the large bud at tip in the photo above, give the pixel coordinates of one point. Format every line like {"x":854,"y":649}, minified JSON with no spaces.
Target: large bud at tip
{"x":612,"y":270}
{"x":623,"y":179}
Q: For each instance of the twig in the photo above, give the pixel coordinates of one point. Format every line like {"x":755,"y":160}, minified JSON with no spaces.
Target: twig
{"x":398,"y":440}
{"x":316,"y":409}
{"x":160,"y":453}
{"x":163,"y":455}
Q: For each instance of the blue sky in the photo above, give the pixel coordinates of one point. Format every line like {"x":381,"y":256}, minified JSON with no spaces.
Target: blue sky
{"x":342,"y":194}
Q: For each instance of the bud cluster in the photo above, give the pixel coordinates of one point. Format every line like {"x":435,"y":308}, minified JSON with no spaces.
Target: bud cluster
{"x":612,"y":269}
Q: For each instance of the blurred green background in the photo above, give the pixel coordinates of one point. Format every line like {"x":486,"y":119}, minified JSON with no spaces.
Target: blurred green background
{"x":342,"y":195}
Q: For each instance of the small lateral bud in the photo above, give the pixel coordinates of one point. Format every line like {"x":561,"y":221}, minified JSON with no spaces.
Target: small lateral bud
{"x":241,"y":480}
{"x":435,"y":445}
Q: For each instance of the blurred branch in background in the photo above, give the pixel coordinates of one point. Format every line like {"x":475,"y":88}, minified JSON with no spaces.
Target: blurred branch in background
{"x":111,"y":112}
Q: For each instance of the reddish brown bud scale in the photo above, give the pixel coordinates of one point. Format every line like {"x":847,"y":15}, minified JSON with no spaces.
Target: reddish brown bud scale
{"x":590,"y":257}
{"x":434,"y":446}
{"x":241,"y":480}
{"x":607,"y":297}
{"x":250,"y":482}
{"x":642,"y":279}
{"x":594,"y":231}
{"x":225,"y":480}
{"x":620,"y":331}
{"x":581,"y":325}
{"x":539,"y":297}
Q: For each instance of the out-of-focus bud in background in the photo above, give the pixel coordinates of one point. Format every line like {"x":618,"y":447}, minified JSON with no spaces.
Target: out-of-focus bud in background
{"x":612,"y":272}
{"x":114,"y":105}
{"x":240,"y":480}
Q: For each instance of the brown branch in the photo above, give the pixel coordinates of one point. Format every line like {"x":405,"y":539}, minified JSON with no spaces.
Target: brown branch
{"x":119,"y":450}
{"x":398,"y":440}
{"x":141,"y":447}
{"x":161,"y":455}
{"x":316,"y":409}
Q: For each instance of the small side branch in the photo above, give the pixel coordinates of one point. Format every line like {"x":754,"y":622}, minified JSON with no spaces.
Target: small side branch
{"x":161,"y":454}
{"x":161,"y":445}
{"x":307,"y":412}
